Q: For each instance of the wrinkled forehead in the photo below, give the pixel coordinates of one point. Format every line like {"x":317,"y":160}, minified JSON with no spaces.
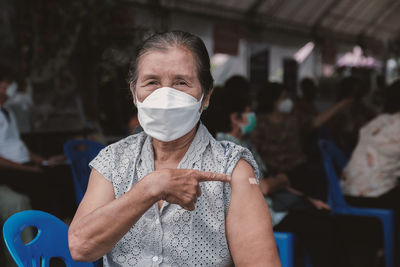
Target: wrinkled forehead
{"x":171,"y":60}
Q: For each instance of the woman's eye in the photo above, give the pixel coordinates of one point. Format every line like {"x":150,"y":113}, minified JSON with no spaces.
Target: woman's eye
{"x":151,"y":83}
{"x":181,"y":83}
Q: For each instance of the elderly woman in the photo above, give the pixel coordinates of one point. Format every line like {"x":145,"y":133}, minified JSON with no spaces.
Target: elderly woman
{"x":172,"y":195}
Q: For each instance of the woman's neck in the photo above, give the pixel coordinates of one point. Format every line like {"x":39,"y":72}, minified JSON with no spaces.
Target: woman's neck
{"x":171,"y":153}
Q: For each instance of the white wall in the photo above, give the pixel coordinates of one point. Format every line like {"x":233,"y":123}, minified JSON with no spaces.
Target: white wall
{"x":235,"y":65}
{"x":308,"y":68}
{"x":196,"y":25}
{"x":203,"y":27}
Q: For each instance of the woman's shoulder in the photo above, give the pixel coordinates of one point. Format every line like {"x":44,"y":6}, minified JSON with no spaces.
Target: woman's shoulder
{"x":230,"y":153}
{"x":130,"y":143}
{"x":225,"y":145}
{"x":387,"y":120}
{"x":378,"y":120}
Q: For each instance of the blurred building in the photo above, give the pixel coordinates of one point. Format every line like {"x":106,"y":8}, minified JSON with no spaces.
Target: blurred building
{"x":76,"y":54}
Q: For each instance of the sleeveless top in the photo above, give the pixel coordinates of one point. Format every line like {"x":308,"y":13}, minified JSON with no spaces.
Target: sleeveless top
{"x":173,"y":236}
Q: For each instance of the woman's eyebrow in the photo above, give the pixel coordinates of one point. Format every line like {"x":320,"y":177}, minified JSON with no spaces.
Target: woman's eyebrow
{"x":148,"y":76}
{"x":183,"y":77}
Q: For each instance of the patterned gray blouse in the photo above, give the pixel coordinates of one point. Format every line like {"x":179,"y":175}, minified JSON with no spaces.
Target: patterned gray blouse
{"x":173,"y":236}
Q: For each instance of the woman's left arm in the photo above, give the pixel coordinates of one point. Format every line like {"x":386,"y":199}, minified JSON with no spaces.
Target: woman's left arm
{"x":248,"y":223}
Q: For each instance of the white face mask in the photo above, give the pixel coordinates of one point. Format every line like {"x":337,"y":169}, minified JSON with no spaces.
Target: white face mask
{"x":168,"y":114}
{"x":286,"y":106}
{"x":12,"y":89}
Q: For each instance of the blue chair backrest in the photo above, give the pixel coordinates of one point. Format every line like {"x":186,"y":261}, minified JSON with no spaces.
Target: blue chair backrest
{"x":333,"y":160}
{"x":50,"y":242}
{"x":79,"y":153}
{"x":285,"y":243}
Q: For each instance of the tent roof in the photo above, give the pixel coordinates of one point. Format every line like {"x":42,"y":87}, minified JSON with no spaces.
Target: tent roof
{"x":378,"y":19}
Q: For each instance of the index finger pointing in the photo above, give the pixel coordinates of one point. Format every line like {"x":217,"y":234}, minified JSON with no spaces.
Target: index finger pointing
{"x":212,"y":176}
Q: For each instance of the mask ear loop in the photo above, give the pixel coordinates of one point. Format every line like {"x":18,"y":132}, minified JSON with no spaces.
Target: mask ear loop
{"x":202,"y":108}
{"x":137,"y":100}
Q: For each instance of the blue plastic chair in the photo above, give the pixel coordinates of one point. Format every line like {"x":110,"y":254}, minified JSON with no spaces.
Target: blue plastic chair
{"x":286,"y":244}
{"x":332,"y":158}
{"x":50,"y":242}
{"x":79,"y":153}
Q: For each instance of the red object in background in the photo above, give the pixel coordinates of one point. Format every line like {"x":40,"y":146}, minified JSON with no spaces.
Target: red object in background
{"x":123,"y":20}
{"x":329,"y":51}
{"x":226,"y":38}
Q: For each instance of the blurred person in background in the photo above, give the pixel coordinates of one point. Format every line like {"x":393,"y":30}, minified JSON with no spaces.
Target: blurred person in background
{"x":280,"y":133}
{"x":321,"y":234}
{"x":21,"y":169}
{"x":347,"y":123}
{"x":371,"y":178}
{"x":19,"y":102}
{"x":305,"y":107}
{"x":10,"y":201}
{"x":309,"y":91}
{"x":165,"y":196}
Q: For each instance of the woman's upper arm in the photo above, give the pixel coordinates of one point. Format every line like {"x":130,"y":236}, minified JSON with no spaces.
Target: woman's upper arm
{"x":99,"y":192}
{"x":248,"y":223}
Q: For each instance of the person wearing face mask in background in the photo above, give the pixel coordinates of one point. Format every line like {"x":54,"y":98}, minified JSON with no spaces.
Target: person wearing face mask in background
{"x":230,"y":117}
{"x":234,"y":121}
{"x":305,"y":107}
{"x":279,"y":135}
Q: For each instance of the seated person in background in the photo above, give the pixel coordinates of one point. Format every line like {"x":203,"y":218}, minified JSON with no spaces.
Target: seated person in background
{"x":371,"y":178}
{"x":279,"y":134}
{"x":321,"y":234}
{"x":305,"y":107}
{"x":346,"y":124}
{"x":20,"y":169}
{"x":164,"y":197}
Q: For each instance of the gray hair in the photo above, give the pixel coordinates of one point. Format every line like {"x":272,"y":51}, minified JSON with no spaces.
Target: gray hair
{"x":165,"y":40}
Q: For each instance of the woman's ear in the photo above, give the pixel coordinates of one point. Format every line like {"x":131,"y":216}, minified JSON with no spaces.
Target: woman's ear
{"x":206,"y":100}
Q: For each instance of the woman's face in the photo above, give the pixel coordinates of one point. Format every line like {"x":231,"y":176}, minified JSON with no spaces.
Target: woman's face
{"x":239,"y":120}
{"x":244,"y":116}
{"x":174,"y":67}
